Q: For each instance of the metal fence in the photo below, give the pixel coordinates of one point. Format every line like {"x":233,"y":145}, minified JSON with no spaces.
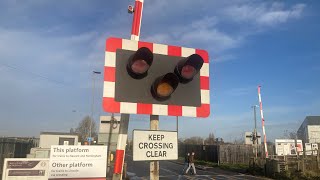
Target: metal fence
{"x":235,"y":154}
{"x":205,"y":153}
{"x":244,"y":154}
{"x":225,"y":153}
{"x":292,"y":164}
{"x":241,"y":154}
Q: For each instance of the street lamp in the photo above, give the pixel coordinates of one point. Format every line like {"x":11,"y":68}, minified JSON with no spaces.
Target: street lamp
{"x":254,"y":136}
{"x":92,"y":105}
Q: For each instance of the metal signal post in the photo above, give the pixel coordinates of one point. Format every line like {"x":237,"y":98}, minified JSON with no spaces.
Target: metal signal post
{"x":124,"y":121}
{"x":136,"y":23}
{"x":154,"y":119}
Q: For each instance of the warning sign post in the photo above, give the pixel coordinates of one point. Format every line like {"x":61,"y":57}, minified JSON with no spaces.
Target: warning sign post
{"x":151,"y":145}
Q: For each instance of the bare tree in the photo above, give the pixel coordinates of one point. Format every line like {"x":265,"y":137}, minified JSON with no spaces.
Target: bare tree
{"x":219,"y":141}
{"x":83,"y":129}
{"x":180,"y":141}
{"x":72,"y":130}
{"x":238,"y":141}
{"x":289,"y":135}
{"x":210,"y":140}
{"x":193,"y":140}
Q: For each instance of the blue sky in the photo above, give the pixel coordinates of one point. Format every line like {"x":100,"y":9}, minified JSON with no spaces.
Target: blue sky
{"x":48,"y":51}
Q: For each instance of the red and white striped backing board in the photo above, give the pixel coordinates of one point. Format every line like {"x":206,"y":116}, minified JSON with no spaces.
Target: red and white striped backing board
{"x":110,"y":105}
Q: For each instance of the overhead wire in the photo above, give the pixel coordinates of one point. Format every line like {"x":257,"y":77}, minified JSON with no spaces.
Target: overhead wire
{"x":32,"y":73}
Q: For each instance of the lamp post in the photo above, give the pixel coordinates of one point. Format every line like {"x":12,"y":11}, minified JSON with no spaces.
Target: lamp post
{"x":92,"y":105}
{"x":254,"y":137}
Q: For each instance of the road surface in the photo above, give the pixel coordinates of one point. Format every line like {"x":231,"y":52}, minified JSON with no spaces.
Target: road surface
{"x":172,"y":170}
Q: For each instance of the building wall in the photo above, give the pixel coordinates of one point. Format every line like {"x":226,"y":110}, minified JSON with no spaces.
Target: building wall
{"x":309,"y":131}
{"x":46,"y":140}
{"x":303,"y":133}
{"x":313,"y":134}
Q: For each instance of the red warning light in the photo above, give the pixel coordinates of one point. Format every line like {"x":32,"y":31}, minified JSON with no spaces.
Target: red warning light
{"x":187,"y":68}
{"x":139,"y":64}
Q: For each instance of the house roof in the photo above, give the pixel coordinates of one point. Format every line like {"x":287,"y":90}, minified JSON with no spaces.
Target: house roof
{"x":309,"y":120}
{"x":312,"y":120}
{"x":57,"y":133}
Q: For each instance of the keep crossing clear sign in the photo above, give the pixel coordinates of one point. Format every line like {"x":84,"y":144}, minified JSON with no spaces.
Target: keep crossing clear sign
{"x":151,"y":145}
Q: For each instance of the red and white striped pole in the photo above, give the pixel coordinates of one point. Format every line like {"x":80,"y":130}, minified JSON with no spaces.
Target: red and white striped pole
{"x":121,"y":147}
{"x":136,"y":23}
{"x":124,"y":122}
{"x":262,"y":119}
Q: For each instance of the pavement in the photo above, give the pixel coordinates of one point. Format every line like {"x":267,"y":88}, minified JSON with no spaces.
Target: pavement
{"x":201,"y":167}
{"x":215,"y":170}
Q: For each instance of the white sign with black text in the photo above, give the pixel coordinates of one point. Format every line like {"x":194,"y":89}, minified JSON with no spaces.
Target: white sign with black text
{"x":149,"y":145}
{"x":78,"y":162}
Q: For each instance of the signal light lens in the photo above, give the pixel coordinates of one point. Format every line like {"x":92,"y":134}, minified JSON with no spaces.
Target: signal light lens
{"x":164,"y":89}
{"x":187,"y":68}
{"x":188,"y":72}
{"x":140,"y":66}
{"x":164,"y":86}
{"x":139,"y":63}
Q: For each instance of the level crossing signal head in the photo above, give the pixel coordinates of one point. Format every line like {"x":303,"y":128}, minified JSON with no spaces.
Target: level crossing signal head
{"x":187,"y":68}
{"x":148,"y":78}
{"x":139,"y":63}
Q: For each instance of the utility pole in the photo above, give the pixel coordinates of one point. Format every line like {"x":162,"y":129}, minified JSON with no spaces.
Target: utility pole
{"x":254,"y":136}
{"x":92,"y":105}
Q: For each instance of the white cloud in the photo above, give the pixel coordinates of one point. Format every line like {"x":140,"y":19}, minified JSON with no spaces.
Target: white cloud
{"x":206,"y":22}
{"x":210,"y":31}
{"x":165,"y":8}
{"x":19,"y":46}
{"x":264,"y":14}
{"x":202,"y":32}
{"x":43,"y":74}
{"x":37,"y":48}
{"x":211,"y":38}
{"x":158,"y":38}
{"x":224,"y":57}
